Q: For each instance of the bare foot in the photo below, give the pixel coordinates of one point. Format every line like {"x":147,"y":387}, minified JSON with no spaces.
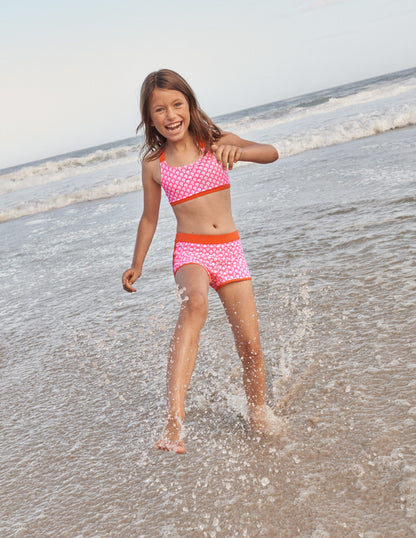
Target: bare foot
{"x":263,"y":420}
{"x":172,"y":436}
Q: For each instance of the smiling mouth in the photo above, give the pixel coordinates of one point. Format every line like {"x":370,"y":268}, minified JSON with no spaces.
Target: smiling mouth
{"x":174,"y":126}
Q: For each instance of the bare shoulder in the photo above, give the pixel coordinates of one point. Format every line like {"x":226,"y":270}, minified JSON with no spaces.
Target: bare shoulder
{"x":151,"y":169}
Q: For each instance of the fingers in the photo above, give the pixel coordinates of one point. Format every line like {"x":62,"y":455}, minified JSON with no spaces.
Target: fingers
{"x":227,"y":155}
{"x":128,"y":287}
{"x":128,"y":279}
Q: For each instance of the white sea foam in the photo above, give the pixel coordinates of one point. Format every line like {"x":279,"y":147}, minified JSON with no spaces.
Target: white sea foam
{"x":108,"y":190}
{"x":361,"y":126}
{"x":305,"y":110}
{"x":55,"y":170}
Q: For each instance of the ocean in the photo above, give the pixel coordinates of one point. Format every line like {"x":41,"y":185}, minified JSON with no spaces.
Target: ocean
{"x":329,"y":232}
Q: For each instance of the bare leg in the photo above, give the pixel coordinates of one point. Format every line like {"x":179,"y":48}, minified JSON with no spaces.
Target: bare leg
{"x":239,"y":303}
{"x":192,"y":281}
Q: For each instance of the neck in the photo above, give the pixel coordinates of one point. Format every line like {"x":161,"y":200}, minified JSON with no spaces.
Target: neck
{"x":182,"y":152}
{"x":185,"y":144}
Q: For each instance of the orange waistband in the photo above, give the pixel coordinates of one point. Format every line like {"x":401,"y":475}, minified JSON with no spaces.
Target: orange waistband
{"x":207,"y":239}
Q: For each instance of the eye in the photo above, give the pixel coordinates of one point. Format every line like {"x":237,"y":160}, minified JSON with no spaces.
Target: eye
{"x":178,"y":104}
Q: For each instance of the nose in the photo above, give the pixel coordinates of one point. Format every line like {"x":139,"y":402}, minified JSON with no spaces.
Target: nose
{"x":171,"y":113}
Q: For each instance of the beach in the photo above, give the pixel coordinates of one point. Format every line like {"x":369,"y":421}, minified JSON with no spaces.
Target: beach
{"x":329,"y":234}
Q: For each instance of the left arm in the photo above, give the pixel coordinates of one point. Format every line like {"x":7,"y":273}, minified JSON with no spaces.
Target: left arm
{"x":230,"y":149}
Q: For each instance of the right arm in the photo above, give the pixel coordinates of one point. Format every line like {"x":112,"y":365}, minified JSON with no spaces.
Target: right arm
{"x":147,"y":225}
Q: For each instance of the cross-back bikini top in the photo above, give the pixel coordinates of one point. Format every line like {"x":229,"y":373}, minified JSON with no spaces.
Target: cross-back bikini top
{"x":186,"y":182}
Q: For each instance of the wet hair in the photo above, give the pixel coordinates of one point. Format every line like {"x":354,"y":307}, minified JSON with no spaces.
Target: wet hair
{"x":201,"y":127}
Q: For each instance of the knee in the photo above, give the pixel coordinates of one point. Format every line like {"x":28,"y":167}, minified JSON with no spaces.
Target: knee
{"x":195,"y":304}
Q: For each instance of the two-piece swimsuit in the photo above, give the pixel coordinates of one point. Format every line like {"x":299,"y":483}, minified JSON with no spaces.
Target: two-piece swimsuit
{"x":220,"y":255}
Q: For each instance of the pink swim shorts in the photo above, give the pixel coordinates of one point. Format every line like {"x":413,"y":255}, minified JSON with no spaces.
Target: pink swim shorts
{"x":221,"y":256}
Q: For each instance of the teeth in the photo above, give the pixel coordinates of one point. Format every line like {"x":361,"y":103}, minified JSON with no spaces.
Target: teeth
{"x":174,"y":126}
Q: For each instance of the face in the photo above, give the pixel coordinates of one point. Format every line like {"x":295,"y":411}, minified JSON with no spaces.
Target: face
{"x":169,"y":113}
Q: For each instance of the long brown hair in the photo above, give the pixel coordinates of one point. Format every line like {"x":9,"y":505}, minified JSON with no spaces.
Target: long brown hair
{"x":201,"y":127}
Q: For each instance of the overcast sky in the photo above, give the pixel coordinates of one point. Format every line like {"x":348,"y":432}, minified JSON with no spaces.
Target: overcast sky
{"x":71,"y":71}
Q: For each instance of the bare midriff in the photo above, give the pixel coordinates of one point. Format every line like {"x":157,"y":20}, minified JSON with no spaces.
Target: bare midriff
{"x":206,"y":215}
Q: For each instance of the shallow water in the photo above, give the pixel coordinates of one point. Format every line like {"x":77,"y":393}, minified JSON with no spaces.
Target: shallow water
{"x":330,"y":240}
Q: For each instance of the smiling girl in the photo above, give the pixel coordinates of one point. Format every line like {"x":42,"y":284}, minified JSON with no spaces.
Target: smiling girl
{"x":188,"y":156}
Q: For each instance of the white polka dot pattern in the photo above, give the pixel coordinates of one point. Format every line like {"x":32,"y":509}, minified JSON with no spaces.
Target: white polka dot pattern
{"x":193,"y":179}
{"x":224,"y":262}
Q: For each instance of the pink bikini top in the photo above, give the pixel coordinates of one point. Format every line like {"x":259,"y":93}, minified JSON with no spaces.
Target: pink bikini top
{"x":184,"y":183}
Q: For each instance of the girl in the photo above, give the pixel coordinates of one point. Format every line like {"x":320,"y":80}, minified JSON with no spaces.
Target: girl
{"x":187,"y":155}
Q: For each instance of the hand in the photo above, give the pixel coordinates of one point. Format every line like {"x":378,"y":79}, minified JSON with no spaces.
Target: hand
{"x":227,"y":155}
{"x":129,"y":278}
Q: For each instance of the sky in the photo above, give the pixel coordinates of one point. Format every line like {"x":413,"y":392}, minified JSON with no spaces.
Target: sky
{"x":71,"y":71}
